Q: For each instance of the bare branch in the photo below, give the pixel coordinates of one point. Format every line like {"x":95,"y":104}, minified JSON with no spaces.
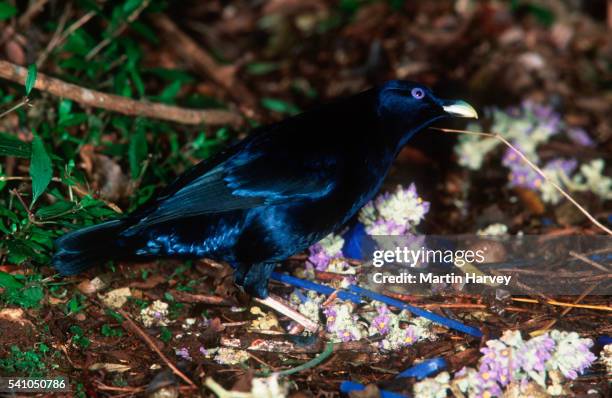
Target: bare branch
{"x":116,"y":103}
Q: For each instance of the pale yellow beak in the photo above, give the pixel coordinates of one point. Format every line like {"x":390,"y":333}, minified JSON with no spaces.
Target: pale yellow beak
{"x":460,"y":109}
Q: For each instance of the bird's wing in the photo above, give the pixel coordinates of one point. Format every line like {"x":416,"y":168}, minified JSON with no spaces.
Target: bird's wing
{"x":262,"y":173}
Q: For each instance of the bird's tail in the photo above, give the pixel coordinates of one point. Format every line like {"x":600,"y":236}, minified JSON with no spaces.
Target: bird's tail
{"x":82,"y":249}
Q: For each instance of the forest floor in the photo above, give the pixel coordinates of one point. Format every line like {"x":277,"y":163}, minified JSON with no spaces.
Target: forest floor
{"x":69,"y":159}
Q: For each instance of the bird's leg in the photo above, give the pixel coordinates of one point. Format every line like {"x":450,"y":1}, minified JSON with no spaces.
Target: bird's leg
{"x":254,"y":280}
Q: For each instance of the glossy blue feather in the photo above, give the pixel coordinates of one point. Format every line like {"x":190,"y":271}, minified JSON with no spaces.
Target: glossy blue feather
{"x":277,"y":192}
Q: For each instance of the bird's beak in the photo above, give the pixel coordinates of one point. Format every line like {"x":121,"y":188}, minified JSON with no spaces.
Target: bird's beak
{"x":459,"y":109}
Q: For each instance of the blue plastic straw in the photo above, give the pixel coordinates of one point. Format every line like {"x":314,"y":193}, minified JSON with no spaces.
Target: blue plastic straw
{"x":604,"y":340}
{"x":449,"y":323}
{"x":348,"y":386}
{"x":322,"y":289}
{"x":424,"y":369}
{"x":357,"y":292}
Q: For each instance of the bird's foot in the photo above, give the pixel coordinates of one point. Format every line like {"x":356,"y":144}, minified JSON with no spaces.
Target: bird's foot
{"x":277,"y":304}
{"x":254,"y":279}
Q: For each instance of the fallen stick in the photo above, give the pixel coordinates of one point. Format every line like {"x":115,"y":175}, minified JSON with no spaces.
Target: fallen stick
{"x":191,"y":52}
{"x":147,"y":339}
{"x":116,"y":103}
{"x":562,"y":304}
{"x":276,"y":304}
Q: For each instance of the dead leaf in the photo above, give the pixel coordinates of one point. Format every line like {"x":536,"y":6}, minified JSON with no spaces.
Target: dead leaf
{"x":116,"y":298}
{"x":110,"y":367}
{"x":105,"y":174}
{"x":531,"y":200}
{"x":14,"y":315}
{"x":150,"y":282}
{"x":91,"y":286}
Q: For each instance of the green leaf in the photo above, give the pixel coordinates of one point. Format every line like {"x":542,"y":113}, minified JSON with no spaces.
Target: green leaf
{"x":279,"y":106}
{"x":6,"y":10}
{"x":41,"y":170}
{"x":55,"y":209}
{"x":11,"y":146}
{"x":8,"y":281}
{"x":31,"y":79}
{"x":31,"y":296}
{"x":131,"y":5}
{"x":137,"y":152}
{"x":166,"y":334}
{"x":262,"y":68}
{"x":170,"y":91}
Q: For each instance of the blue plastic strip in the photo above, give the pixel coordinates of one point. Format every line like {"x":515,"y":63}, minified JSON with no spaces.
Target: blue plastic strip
{"x":604,"y":340}
{"x":424,"y":369}
{"x":300,"y":295}
{"x":349,"y":386}
{"x":357,"y":291}
{"x":322,"y":289}
{"x":449,"y":323}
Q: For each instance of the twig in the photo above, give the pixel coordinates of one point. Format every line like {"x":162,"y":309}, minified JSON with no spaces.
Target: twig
{"x":278,"y":305}
{"x":187,"y":49}
{"x":24,"y":101}
{"x":77,"y":188}
{"x":147,"y":339}
{"x":116,"y":103}
{"x":534,"y":167}
{"x":199,"y":298}
{"x":131,"y":18}
{"x":564,"y":312}
{"x":33,"y":10}
{"x":589,"y":261}
{"x":562,"y":304}
{"x":16,"y":193}
{"x":58,"y":38}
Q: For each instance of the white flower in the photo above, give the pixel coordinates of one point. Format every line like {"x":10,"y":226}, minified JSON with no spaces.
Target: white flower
{"x":155,"y":314}
{"x":312,"y":306}
{"x":467,"y":381}
{"x":594,"y":180}
{"x":606,"y":357}
{"x":269,"y":387}
{"x":403,"y":206}
{"x":512,"y":338}
{"x":332,"y":244}
{"x":433,"y":387}
{"x":230,"y":356}
{"x":572,"y":355}
{"x":472,"y":150}
{"x":342,"y":324}
{"x":496,"y":229}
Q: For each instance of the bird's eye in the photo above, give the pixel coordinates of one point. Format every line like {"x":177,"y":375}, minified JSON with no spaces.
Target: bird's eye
{"x":417,"y":93}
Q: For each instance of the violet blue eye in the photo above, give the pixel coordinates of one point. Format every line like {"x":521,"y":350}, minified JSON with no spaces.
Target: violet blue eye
{"x":417,"y":93}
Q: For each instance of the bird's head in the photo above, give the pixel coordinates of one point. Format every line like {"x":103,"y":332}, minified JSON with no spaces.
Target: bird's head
{"x":407,"y":107}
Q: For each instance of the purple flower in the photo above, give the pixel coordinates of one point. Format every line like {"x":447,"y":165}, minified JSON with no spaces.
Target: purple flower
{"x":386,"y":227}
{"x":533,"y":355}
{"x":381,"y":323}
{"x":184,"y":353}
{"x":580,"y":137}
{"x":410,"y":335}
{"x":346,"y":335}
{"x":565,"y":166}
{"x":319,"y":257}
{"x":331,"y":314}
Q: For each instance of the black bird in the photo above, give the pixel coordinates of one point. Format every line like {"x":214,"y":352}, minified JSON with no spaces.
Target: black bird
{"x":280,"y":190}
